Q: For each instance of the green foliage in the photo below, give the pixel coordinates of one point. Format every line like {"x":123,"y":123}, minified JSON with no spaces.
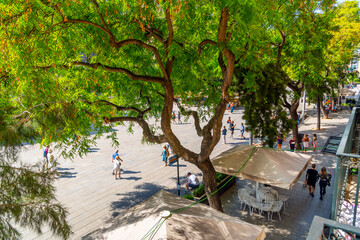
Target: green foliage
{"x":199,"y":191}
{"x":28,"y":198}
{"x":220,"y":176}
{"x":27,"y":195}
{"x":189,"y":196}
{"x":263,"y":101}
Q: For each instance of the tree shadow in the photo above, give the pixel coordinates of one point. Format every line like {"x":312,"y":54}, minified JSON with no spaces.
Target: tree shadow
{"x":94,"y":150}
{"x":66,"y":174}
{"x":174,"y":164}
{"x":131,"y":178}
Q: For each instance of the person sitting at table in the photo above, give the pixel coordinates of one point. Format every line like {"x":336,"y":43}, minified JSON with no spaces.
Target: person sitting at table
{"x":192,"y":181}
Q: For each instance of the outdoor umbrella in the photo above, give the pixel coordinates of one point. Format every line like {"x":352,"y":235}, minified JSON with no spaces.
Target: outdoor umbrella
{"x":276,"y":168}
{"x":144,"y":221}
{"x":346,"y":92}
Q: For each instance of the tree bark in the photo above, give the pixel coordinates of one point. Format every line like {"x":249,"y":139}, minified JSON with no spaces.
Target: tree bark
{"x":294,"y":116}
{"x":318,"y":113}
{"x":323,"y":110}
{"x":210,"y":185}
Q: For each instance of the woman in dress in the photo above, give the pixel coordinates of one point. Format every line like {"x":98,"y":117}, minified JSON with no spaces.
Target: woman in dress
{"x":165,"y":154}
{"x":314,"y":142}
{"x":306,"y":142}
{"x":52,"y":162}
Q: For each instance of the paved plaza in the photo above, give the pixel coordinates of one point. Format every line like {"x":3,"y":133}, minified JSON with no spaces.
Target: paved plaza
{"x":94,"y":198}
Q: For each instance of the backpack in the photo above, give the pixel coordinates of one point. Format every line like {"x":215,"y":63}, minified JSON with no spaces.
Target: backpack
{"x":45,"y":152}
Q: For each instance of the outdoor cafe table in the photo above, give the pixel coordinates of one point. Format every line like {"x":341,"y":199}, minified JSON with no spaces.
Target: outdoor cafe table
{"x":267,"y":194}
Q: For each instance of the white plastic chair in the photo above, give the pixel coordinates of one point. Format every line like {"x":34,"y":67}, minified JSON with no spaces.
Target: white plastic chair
{"x":284,"y":199}
{"x":276,"y":208}
{"x":266,"y":207}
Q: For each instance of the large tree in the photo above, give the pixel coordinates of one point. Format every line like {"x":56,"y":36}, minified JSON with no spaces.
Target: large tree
{"x":78,"y":64}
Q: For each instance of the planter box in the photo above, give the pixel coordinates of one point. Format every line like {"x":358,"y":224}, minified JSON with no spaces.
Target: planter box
{"x":221,"y":191}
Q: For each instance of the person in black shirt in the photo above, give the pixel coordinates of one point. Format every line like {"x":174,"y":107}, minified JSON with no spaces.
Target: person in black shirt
{"x":311,"y":178}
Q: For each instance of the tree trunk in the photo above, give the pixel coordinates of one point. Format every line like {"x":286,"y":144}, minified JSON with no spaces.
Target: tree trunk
{"x":318,"y":125}
{"x":294,"y":116}
{"x":210,"y":185}
{"x":323,"y":110}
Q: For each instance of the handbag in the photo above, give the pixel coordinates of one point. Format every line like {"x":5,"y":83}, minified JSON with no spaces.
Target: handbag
{"x":328,"y":180}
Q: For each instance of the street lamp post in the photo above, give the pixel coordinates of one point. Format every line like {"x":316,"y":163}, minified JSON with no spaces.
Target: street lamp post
{"x":178,"y":176}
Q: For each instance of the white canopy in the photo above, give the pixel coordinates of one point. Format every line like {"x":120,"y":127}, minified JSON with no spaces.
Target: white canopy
{"x":277,"y":168}
{"x":197,"y":222}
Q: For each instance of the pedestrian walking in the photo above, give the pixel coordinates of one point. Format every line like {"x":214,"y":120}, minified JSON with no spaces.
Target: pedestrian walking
{"x":324,"y":181}
{"x":232,"y":107}
{"x":45,"y":155}
{"x":173,"y":117}
{"x":117,"y":165}
{"x":311,"y":178}
{"x":179,"y":117}
{"x":314,"y":142}
{"x":52,"y":162}
{"x":306,"y":143}
{"x":242,"y":130}
{"x":115,"y":154}
{"x":292,"y":144}
{"x":232,"y":130}
{"x":280,"y":138}
{"x":228,"y":122}
{"x":165,"y":154}
{"x":223,"y":135}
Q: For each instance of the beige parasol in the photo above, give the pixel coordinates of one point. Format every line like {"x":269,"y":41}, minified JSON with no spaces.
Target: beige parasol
{"x":277,"y":168}
{"x":144,"y":221}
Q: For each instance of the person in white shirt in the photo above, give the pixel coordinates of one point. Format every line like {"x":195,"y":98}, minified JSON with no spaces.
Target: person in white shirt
{"x":192,"y":182}
{"x":117,"y":165}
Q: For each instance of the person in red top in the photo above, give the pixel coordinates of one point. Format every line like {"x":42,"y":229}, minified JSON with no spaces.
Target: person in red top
{"x":292,"y":144}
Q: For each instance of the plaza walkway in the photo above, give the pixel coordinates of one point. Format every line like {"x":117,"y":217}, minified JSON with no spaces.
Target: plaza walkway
{"x":92,"y":195}
{"x":94,"y":198}
{"x":298,"y":215}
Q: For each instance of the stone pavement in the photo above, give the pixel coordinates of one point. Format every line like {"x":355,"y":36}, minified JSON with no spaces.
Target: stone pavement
{"x":92,"y":195}
{"x":298,"y":215}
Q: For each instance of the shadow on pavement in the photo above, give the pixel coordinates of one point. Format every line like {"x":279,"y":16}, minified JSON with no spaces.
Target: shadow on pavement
{"x":131,"y":178}
{"x":129,"y":172}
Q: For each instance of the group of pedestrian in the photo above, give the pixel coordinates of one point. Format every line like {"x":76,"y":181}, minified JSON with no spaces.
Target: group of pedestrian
{"x":230,"y":107}
{"x":50,"y":160}
{"x":312,"y":176}
{"x":231,"y":127}
{"x":305,"y":143}
{"x":176,"y":116}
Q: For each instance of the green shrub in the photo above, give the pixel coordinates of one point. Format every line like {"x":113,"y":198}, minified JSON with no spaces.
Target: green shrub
{"x":199,"y":191}
{"x":189,"y":196}
{"x":220,"y":176}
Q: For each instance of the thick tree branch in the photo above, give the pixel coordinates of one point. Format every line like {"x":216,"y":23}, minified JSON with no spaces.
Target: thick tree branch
{"x":194,"y":114}
{"x":144,"y":45}
{"x":130,"y":74}
{"x":170,"y":27}
{"x":204,"y":42}
{"x":212,"y":130}
{"x":103,"y":20}
{"x":153,"y":32}
{"x":148,"y":134}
